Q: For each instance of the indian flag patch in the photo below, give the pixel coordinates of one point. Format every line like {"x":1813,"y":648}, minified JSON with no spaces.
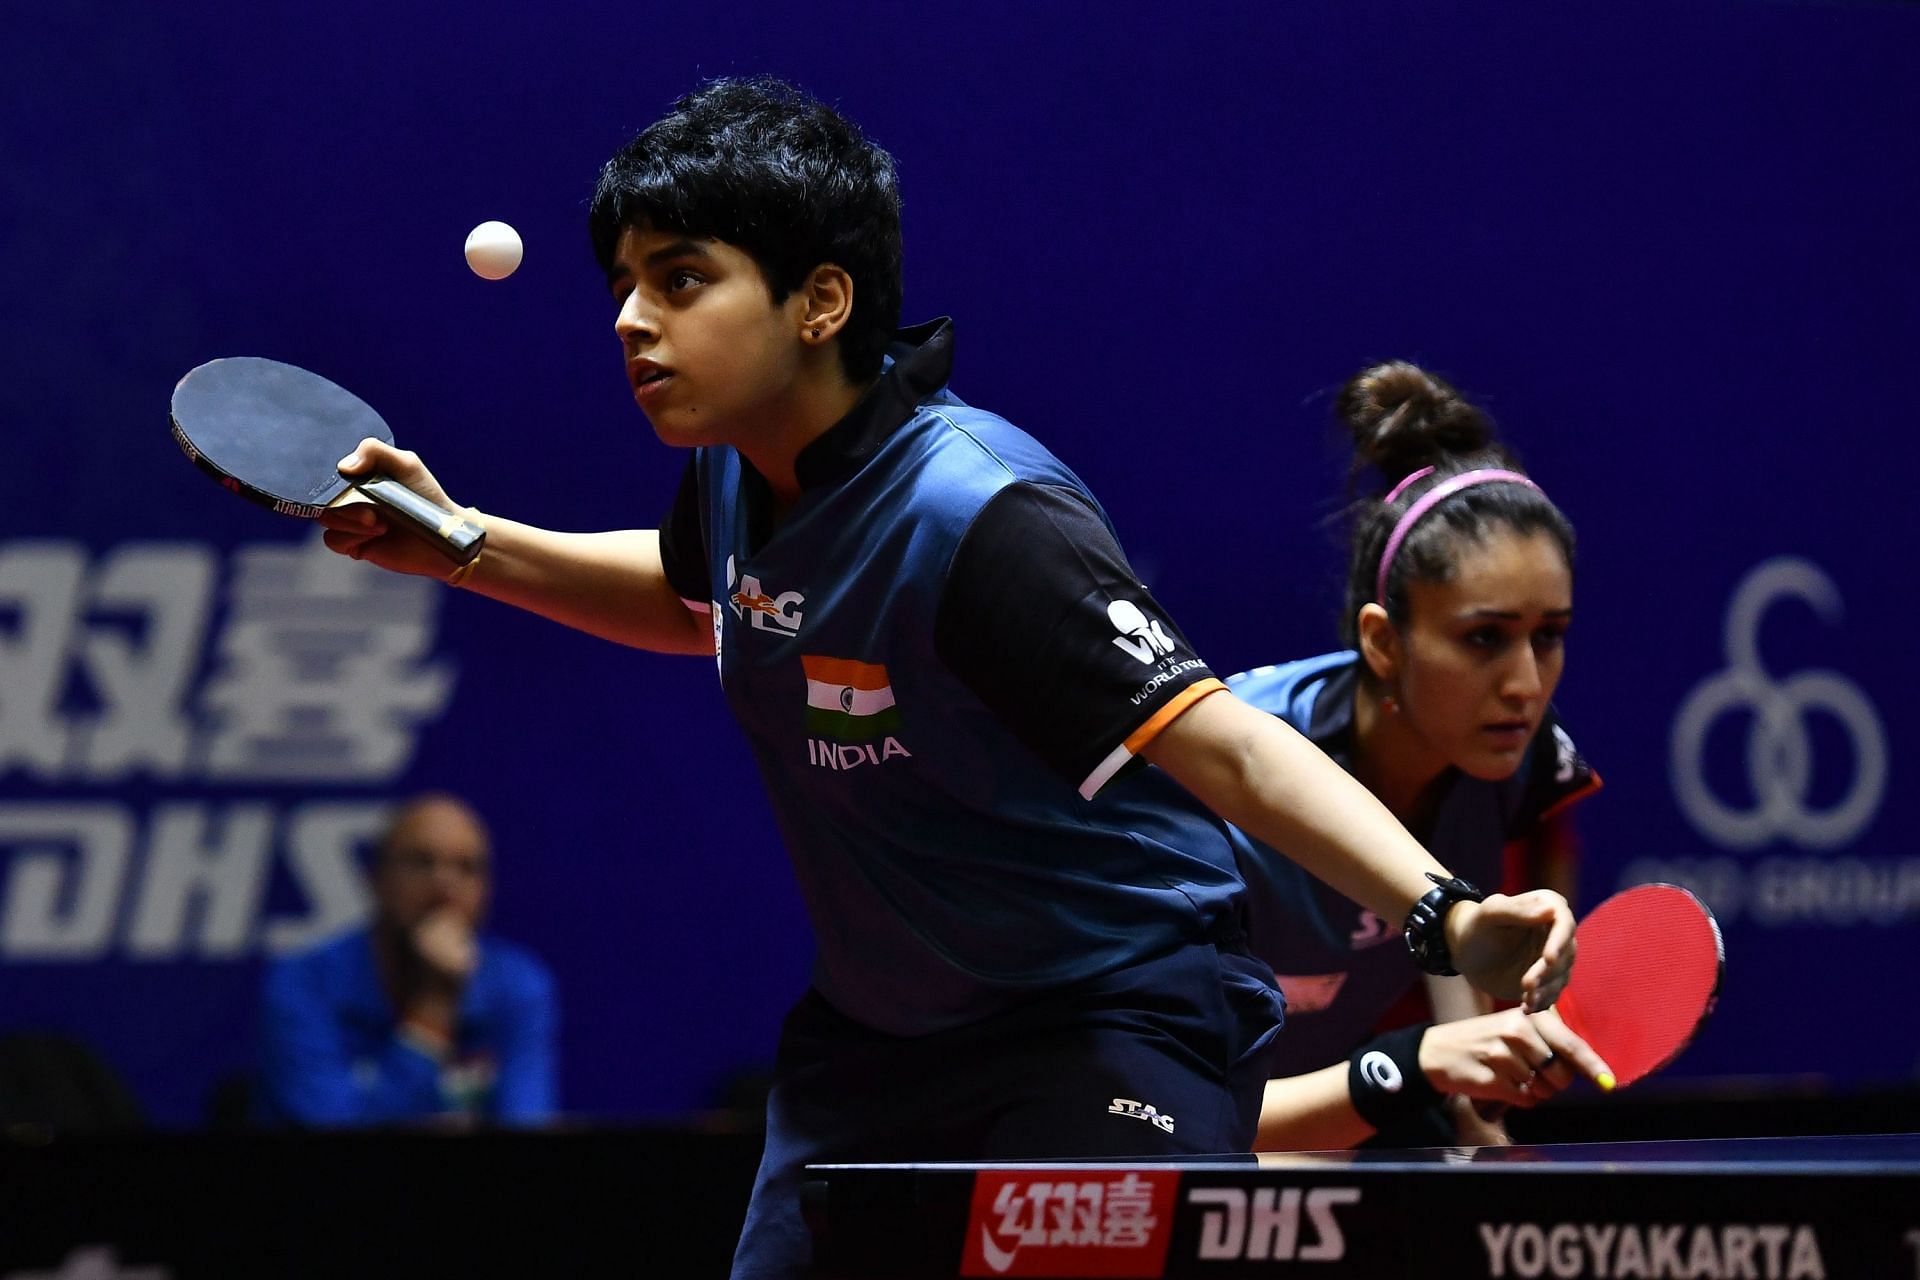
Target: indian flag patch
{"x":849,"y":701}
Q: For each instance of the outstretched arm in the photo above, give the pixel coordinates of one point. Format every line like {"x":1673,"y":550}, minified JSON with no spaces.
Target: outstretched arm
{"x":1258,"y":773}
{"x":611,"y":584}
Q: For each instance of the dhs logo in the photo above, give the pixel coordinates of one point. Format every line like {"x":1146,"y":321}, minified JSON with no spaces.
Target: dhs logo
{"x":1779,"y":711}
{"x":754,"y":605}
{"x":1281,"y":1224}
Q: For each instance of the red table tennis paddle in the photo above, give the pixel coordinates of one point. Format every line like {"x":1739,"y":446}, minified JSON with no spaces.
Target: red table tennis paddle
{"x":1646,"y":976}
{"x":273,"y":432}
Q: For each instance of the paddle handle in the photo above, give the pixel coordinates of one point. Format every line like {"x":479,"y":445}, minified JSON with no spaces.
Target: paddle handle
{"x":451,"y":533}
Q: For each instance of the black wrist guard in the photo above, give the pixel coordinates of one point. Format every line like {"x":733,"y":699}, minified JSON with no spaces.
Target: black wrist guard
{"x":1426,"y":930}
{"x":1387,"y":1086}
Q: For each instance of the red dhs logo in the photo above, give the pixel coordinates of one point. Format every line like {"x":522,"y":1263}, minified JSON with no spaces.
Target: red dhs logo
{"x":1070,"y":1222}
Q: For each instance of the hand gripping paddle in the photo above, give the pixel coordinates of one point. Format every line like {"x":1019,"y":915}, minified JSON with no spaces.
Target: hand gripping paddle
{"x":273,"y":432}
{"x":1645,"y":977}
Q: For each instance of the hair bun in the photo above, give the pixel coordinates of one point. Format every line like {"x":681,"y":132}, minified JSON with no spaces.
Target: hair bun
{"x":1403,"y":418}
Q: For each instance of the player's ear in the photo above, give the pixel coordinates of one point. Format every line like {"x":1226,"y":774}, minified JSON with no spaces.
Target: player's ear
{"x":1379,"y":641}
{"x":827,"y":302}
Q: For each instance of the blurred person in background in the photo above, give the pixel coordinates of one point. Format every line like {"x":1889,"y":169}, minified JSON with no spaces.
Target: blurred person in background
{"x":418,"y":1016}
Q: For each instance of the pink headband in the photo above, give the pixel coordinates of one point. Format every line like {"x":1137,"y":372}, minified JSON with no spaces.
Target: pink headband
{"x":1406,"y":484}
{"x":1428,"y":501}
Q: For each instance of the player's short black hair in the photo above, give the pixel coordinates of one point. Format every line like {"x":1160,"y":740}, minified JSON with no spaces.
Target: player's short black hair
{"x":766,"y":168}
{"x":1402,"y":419}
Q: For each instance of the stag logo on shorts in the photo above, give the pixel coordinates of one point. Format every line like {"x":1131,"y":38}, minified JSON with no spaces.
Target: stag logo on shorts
{"x":1278,"y":1224}
{"x":1142,"y":1111}
{"x":1070,"y":1222}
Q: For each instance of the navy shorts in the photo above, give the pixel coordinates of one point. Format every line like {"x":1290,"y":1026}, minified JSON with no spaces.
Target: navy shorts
{"x":1166,"y":1057}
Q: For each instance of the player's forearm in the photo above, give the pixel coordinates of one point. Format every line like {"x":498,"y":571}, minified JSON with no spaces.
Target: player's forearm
{"x":1313,"y":1112}
{"x":1258,"y":773}
{"x":1455,"y":999}
{"x":606,"y":584}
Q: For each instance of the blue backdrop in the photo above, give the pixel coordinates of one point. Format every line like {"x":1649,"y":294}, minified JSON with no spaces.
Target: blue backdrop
{"x":1671,"y":247}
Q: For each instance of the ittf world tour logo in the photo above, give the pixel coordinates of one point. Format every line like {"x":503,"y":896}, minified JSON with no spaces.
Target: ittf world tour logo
{"x":851,"y":714}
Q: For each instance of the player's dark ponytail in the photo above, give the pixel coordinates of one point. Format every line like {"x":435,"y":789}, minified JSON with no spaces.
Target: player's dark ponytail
{"x":1414,"y":433}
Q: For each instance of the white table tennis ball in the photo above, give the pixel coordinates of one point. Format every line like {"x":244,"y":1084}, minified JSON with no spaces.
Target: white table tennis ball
{"x":493,"y":250}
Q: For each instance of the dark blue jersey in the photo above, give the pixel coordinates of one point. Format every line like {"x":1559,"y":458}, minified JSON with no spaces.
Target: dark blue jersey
{"x":944,"y":665}
{"x":1341,"y":966}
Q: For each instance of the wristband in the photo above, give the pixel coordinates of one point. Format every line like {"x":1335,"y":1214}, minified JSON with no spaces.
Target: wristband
{"x":1385,"y":1082}
{"x":461,"y":573}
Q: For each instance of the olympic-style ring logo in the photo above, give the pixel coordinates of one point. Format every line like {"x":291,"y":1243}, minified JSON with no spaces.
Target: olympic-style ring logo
{"x":1779,"y":752}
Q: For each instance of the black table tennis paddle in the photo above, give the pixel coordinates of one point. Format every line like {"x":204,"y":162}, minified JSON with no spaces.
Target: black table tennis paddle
{"x":273,"y":433}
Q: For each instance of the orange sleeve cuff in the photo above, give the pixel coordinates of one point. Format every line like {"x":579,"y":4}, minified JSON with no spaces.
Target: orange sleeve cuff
{"x":1175,"y":708}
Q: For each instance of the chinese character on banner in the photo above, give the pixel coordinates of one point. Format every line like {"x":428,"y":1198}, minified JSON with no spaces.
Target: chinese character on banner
{"x":1069,"y":1222}
{"x":127,"y":631}
{"x":322,"y":671}
{"x":1130,"y":1218}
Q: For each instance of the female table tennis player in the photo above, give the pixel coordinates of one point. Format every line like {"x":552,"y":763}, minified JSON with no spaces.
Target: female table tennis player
{"x":1460,"y":592}
{"x":1003,"y":915}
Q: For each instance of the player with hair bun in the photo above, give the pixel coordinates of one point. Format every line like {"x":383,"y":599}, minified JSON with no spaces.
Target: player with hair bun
{"x":1459,"y":596}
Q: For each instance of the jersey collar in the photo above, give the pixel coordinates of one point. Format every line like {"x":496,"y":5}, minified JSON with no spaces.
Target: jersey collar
{"x":918,"y":364}
{"x":1330,"y":724}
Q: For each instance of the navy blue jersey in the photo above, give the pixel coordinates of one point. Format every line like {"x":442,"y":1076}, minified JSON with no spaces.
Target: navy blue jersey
{"x":944,"y":665}
{"x":1340,"y":965}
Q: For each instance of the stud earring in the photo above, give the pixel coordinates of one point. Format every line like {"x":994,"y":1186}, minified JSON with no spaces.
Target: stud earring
{"x":816,"y":333}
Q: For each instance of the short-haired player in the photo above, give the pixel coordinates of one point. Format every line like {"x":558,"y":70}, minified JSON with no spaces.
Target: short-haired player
{"x":945,"y":666}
